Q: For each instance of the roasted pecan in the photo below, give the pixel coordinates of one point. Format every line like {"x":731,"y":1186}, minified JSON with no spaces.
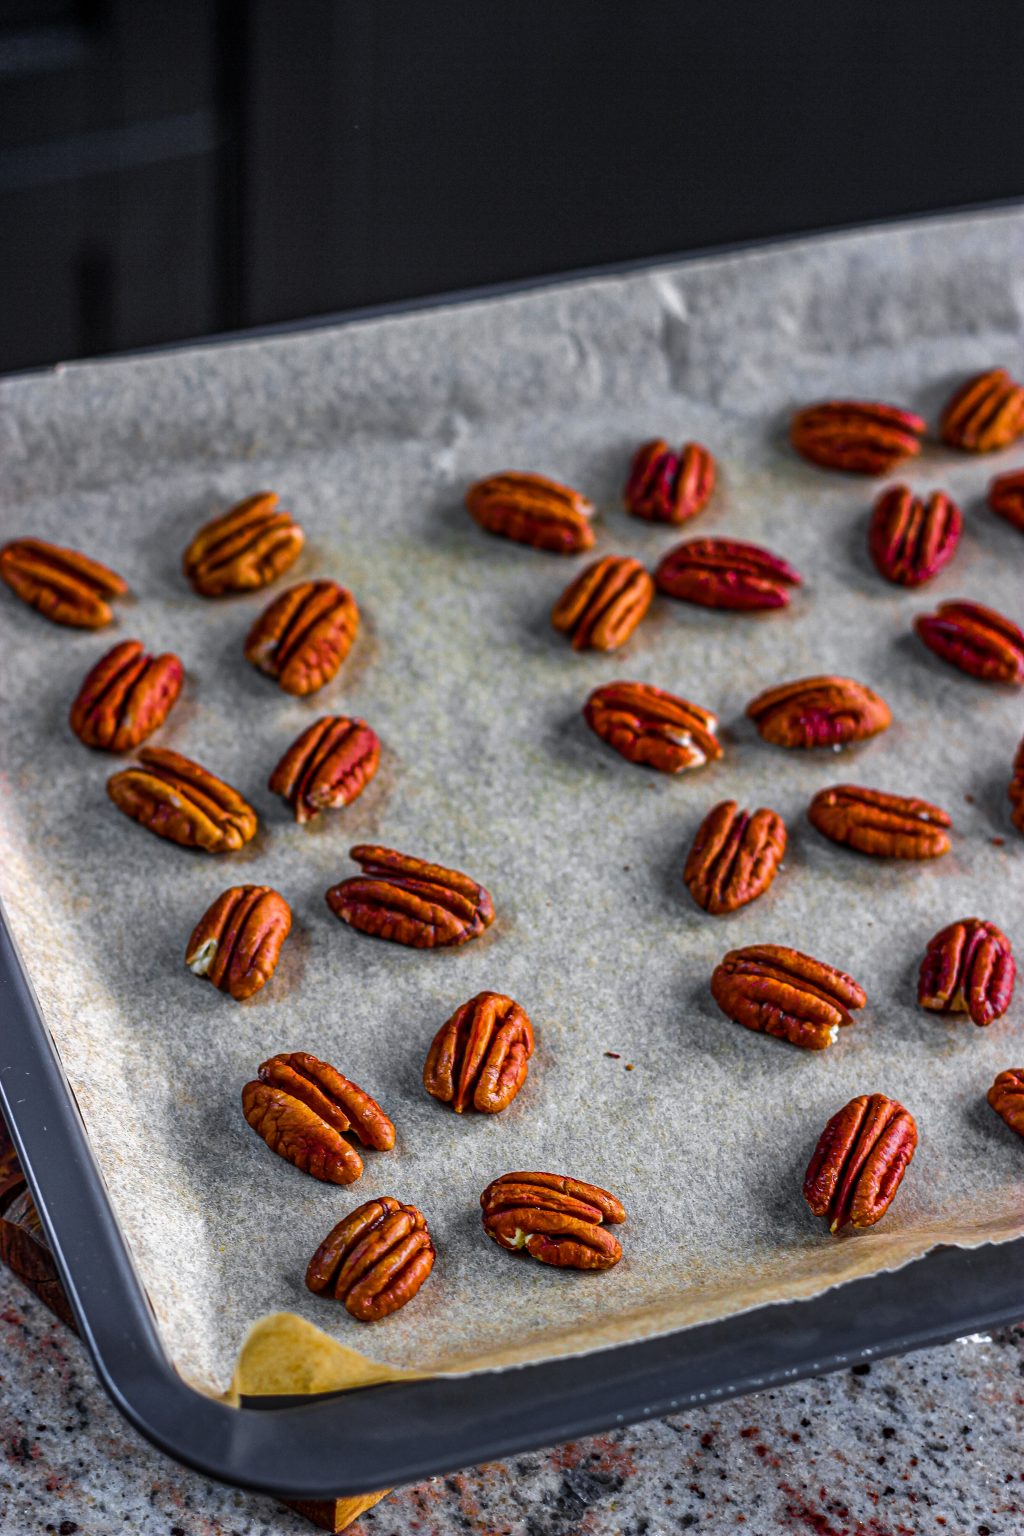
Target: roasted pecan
{"x":409,"y":901}
{"x":859,"y":1162}
{"x":126,"y":696}
{"x":329,"y":765}
{"x":734,"y":858}
{"x":724,"y":573}
{"x":889,"y":826}
{"x":303,"y":1108}
{"x":669,"y":487}
{"x":1006,"y":497}
{"x":910,"y":540}
{"x":303,"y":637}
{"x":61,"y":584}
{"x":819,"y":712}
{"x":1016,"y":789}
{"x":558,"y":1220}
{"x":985,"y":413}
{"x":605,"y":603}
{"x":236,"y":944}
{"x":177,"y":799}
{"x":968,"y":968}
{"x":779,"y":991}
{"x":531,"y":509}
{"x":976,"y":639}
{"x":374,"y":1260}
{"x":647,"y":725}
{"x":243,"y":549}
{"x":1007,"y":1098}
{"x":481,"y":1055}
{"x":856,"y":435}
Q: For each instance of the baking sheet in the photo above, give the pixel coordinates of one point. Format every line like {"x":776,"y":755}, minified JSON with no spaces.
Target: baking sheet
{"x":371,"y":433}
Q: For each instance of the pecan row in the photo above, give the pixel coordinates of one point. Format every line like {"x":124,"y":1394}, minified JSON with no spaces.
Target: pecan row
{"x":669,"y":487}
{"x":1006,"y":497}
{"x":856,"y":435}
{"x":61,"y":584}
{"x":734,"y":858}
{"x":244,"y":548}
{"x":910,"y":540}
{"x":725,"y":573}
{"x":530,"y":509}
{"x":649,"y":726}
{"x":602,"y":607}
{"x":409,"y":901}
{"x":481,"y":1055}
{"x":237,"y":942}
{"x":985,"y":413}
{"x":1016,"y":789}
{"x":819,"y":712}
{"x":303,"y":1108}
{"x":976,"y":639}
{"x":859,"y":1162}
{"x":327,"y":766}
{"x":872,"y":821}
{"x":778,"y":991}
{"x":968,"y":968}
{"x":303,"y":637}
{"x":558,"y":1220}
{"x":125,"y":697}
{"x":178,"y":799}
{"x":374,"y":1260}
{"x":1007,"y":1098}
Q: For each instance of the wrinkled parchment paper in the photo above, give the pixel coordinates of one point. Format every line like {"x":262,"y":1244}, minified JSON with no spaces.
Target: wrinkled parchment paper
{"x":371,"y":434}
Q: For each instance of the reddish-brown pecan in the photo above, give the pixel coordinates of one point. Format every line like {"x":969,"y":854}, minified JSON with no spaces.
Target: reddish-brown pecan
{"x":558,"y":1220}
{"x":303,"y":637}
{"x":328,"y":766}
{"x":976,"y":639}
{"x":374,"y":1260}
{"x":724,"y":573}
{"x":872,"y":821}
{"x":125,"y":697}
{"x":819,"y":712}
{"x":409,"y":901}
{"x":779,"y":991}
{"x":968,"y":968}
{"x":178,"y":799}
{"x":669,"y":487}
{"x":244,"y":548}
{"x":303,"y":1108}
{"x":237,"y":942}
{"x":1006,"y":497}
{"x":605,"y":603}
{"x":910,"y":540}
{"x":647,"y":725}
{"x":530,"y":509}
{"x":985,"y":413}
{"x":859,"y":1162}
{"x":734,"y":858}
{"x":856,"y":435}
{"x":1007,"y":1098}
{"x":1016,"y":789}
{"x":480,"y":1057}
{"x":61,"y":584}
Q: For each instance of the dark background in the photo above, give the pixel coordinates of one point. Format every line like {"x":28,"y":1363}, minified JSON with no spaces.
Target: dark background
{"x":171,"y":168}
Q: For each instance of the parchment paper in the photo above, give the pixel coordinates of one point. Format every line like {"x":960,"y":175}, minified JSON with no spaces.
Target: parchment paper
{"x":371,"y":434}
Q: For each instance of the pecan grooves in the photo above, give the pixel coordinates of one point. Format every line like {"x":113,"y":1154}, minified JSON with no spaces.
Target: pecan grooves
{"x":856,"y":435}
{"x":985,"y":413}
{"x":669,"y":487}
{"x":1006,"y":497}
{"x":968,"y":968}
{"x":62,"y":585}
{"x":734,"y":858}
{"x":327,"y":766}
{"x":409,"y":901}
{"x":978,"y":640}
{"x":1016,"y":789}
{"x":605,"y":603}
{"x":558,"y":1220}
{"x":374,"y":1260}
{"x":237,"y":942}
{"x":647,"y":725}
{"x":244,"y":548}
{"x":910,"y":540}
{"x":125,"y":697}
{"x":725,"y":573}
{"x":303,"y":637}
{"x":859,"y":1162}
{"x":303,"y":1108}
{"x":530,"y":509}
{"x":888,"y":826}
{"x":480,"y":1057}
{"x":1007,"y":1098}
{"x":819,"y":712}
{"x":776,"y":990}
{"x":178,"y":799}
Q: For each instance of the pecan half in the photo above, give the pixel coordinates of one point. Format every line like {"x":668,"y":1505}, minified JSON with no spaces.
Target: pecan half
{"x":62,"y":585}
{"x":411,"y":902}
{"x":237,"y":942}
{"x":125,"y":697}
{"x":976,"y":639}
{"x":530,"y":509}
{"x":1007,"y":1098}
{"x":1006,"y":497}
{"x":244,"y":548}
{"x":725,"y":573}
{"x":374,"y":1260}
{"x":605,"y":603}
{"x":328,"y":766}
{"x":888,"y":826}
{"x":481,"y":1055}
{"x":779,"y":991}
{"x":856,"y":435}
{"x":303,"y":1108}
{"x":819,"y":712}
{"x":303,"y":637}
{"x":734,"y":858}
{"x":647,"y":725}
{"x":985,"y":413}
{"x":859,"y":1162}
{"x":178,"y":799}
{"x":910,"y":540}
{"x":558,"y":1220}
{"x":1016,"y":789}
{"x":968,"y":968}
{"x":669,"y":487}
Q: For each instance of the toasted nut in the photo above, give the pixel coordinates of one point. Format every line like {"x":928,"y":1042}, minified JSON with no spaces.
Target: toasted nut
{"x":819,"y":712}
{"x":409,"y":901}
{"x":779,"y":991}
{"x":1007,"y":1098}
{"x":1006,"y":497}
{"x":480,"y":1057}
{"x":558,"y":1220}
{"x":304,"y":636}
{"x":303,"y":1108}
{"x":328,"y":766}
{"x":859,"y":1162}
{"x":734,"y":858}
{"x":236,"y":944}
{"x":243,"y":549}
{"x":178,"y":799}
{"x":1016,"y":789}
{"x":374,"y":1260}
{"x":62,"y":585}
{"x":888,"y":826}
{"x":605,"y":603}
{"x":910,"y":540}
{"x":724,"y":573}
{"x":647,"y":725}
{"x":976,"y":639}
{"x":856,"y":435}
{"x":530,"y":509}
{"x":669,"y":487}
{"x":968,"y":968}
{"x":125,"y":697}
{"x":985,"y":413}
